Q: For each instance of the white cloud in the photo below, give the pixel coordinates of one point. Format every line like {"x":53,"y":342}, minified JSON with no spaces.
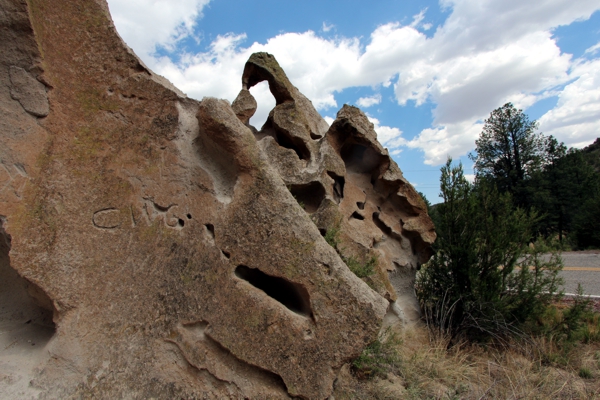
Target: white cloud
{"x":418,"y":18}
{"x":367,"y":102}
{"x":145,"y":24}
{"x":469,"y":87}
{"x":594,"y":49}
{"x":388,"y":136}
{"x":470,"y":177}
{"x":449,"y":140}
{"x":327,"y":27}
{"x":482,"y":24}
{"x":487,"y":52}
{"x":576,"y":118}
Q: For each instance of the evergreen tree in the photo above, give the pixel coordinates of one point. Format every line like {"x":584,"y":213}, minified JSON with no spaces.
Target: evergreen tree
{"x":561,"y":190}
{"x":509,"y":150}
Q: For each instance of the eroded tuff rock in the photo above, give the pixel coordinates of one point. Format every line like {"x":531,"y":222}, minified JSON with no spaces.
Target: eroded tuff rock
{"x":167,"y":241}
{"x":347,"y":182}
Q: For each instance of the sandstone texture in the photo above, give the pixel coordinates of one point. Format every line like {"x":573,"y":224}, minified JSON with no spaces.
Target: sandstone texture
{"x":157,"y":246}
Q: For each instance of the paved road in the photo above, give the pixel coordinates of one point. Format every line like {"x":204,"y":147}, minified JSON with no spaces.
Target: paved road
{"x":581,"y":267}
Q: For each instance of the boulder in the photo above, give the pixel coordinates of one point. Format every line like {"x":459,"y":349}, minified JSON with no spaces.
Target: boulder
{"x":179,"y":252}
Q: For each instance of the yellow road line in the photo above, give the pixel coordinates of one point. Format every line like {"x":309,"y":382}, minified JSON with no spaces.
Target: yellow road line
{"x":597,"y":269}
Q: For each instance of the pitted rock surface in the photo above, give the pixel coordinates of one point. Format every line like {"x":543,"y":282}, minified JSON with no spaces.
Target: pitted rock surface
{"x":180,"y":256}
{"x":347,"y":182}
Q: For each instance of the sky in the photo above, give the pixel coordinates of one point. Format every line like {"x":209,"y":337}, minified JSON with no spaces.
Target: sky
{"x":426,"y":73}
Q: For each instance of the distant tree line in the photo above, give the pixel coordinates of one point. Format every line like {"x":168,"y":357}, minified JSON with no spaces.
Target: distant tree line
{"x":562,"y":185}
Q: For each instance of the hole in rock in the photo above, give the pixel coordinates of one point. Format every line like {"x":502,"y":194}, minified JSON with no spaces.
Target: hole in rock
{"x":360,"y":205}
{"x":292,"y":295}
{"x":189,"y":216}
{"x":309,"y":196}
{"x":315,"y":136}
{"x":356,"y":215}
{"x":360,"y":159}
{"x":265,"y":102}
{"x":139,"y":68}
{"x":181,"y":222}
{"x":413,"y":237}
{"x":384,"y":228}
{"x":26,"y":316}
{"x":226,"y":253}
{"x":338,"y":186}
{"x":323,"y":231}
{"x":211,"y":230}
{"x":293,"y":143}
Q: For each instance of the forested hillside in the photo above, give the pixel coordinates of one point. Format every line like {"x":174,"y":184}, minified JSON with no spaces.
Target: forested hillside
{"x":560,"y":185}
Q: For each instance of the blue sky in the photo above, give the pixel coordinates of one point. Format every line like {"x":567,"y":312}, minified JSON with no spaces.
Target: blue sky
{"x":427,"y":73}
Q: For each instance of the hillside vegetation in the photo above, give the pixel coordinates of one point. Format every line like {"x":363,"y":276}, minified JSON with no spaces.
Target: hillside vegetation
{"x":495,"y":322}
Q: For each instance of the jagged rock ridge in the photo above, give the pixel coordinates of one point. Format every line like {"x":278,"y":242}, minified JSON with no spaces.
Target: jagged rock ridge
{"x":165,"y":235}
{"x":345,"y":180}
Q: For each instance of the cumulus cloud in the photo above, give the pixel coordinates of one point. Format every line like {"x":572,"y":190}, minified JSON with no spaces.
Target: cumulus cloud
{"x":576,"y":118}
{"x":486,"y":53}
{"x":367,"y":102}
{"x":146,"y":24}
{"x":449,"y":140}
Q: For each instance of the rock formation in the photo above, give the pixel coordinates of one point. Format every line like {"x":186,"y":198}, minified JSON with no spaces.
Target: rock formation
{"x":179,"y":250}
{"x":346,"y":181}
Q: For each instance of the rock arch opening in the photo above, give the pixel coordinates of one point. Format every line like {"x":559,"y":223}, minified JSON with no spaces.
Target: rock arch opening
{"x":265,"y":102}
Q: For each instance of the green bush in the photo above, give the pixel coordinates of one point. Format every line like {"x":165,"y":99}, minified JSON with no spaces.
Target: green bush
{"x":481,"y":283}
{"x":332,"y":236}
{"x":379,"y":357}
{"x":570,"y":325}
{"x":360,"y":269}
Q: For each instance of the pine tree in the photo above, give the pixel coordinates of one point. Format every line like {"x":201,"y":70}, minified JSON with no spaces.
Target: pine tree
{"x":509,"y":150}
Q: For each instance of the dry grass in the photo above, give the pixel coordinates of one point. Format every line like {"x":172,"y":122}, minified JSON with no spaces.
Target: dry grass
{"x":428,"y":368}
